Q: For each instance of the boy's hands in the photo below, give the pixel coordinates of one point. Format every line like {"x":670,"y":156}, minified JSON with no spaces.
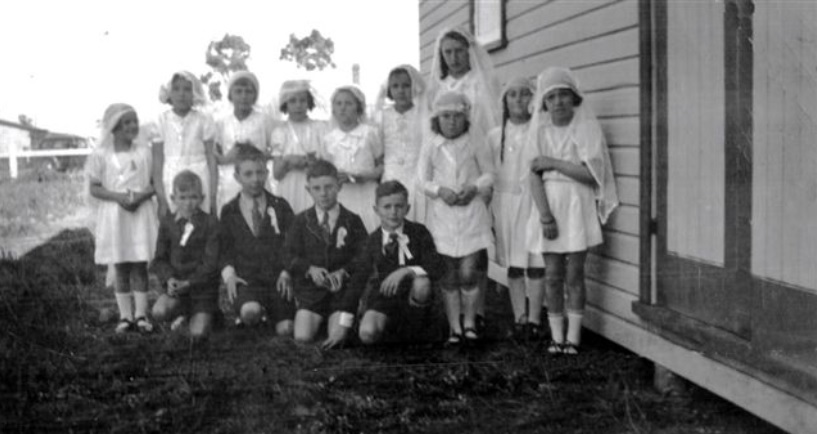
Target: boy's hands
{"x":232,"y":286}
{"x":176,"y":287}
{"x":448,"y":196}
{"x":391,"y":283}
{"x":284,"y":285}
{"x":336,"y":280}
{"x":318,"y":275}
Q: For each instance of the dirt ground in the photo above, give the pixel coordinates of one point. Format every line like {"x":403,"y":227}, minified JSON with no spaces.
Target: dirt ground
{"x":62,"y":370}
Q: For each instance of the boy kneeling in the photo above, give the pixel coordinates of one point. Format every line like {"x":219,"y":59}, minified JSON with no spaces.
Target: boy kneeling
{"x":253,"y":228}
{"x":186,"y":261}
{"x":322,"y":244}
{"x":399,"y":262}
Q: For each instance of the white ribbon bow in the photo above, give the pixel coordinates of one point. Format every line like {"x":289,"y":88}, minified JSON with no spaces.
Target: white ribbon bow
{"x":188,"y":229}
{"x":341,"y":238}
{"x":273,"y":219}
{"x":403,"y":252}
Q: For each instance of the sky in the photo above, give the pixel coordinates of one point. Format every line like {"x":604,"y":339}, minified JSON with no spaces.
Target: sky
{"x":65,"y":61}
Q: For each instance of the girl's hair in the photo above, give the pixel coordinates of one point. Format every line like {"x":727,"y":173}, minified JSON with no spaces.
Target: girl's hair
{"x":243,"y":81}
{"x":577,"y":100}
{"x":389,"y":188}
{"x":456,"y":37}
{"x":506,"y":114}
{"x":435,"y":125}
{"x":361,"y":109}
{"x":118,"y":124}
{"x":395,"y":72}
{"x":310,"y":102}
{"x":319,"y":168}
{"x":187,"y":181}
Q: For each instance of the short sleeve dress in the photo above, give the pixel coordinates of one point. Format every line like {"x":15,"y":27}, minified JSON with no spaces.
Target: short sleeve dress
{"x":296,"y":138}
{"x":123,"y":236}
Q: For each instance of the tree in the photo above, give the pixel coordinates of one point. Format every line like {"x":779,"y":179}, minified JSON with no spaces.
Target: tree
{"x":224,"y":57}
{"x":310,"y":52}
{"x":25,"y":120}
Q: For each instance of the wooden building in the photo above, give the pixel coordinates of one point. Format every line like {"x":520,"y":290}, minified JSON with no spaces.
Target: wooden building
{"x":709,"y":267}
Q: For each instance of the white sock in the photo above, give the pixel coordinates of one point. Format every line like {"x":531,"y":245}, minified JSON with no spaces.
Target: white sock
{"x":557,"y":327}
{"x":125,"y":304}
{"x":141,"y":301}
{"x":574,"y":326}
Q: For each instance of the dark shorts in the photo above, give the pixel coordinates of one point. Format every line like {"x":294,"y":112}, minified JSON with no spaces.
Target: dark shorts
{"x":278,"y":309}
{"x":455,"y":278}
{"x":393,"y":307}
{"x":199,"y":300}
{"x":319,"y":300}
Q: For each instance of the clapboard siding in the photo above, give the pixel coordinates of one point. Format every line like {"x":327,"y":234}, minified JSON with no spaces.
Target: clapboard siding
{"x":628,"y":190}
{"x":784,"y":228}
{"x":450,"y":12}
{"x":515,"y":8}
{"x":428,"y":6}
{"x":625,"y":161}
{"x":618,"y":274}
{"x":619,"y":246}
{"x":611,"y":300}
{"x":625,"y":220}
{"x":621,"y":131}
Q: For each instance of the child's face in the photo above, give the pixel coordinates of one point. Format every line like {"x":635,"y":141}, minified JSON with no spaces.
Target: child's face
{"x":392,"y":210}
{"x":252,"y":175}
{"x":127,"y":129}
{"x":345,"y":108}
{"x":455,"y":55}
{"x":560,"y":104}
{"x":324,"y":191}
{"x":400,"y":89}
{"x":243,"y":96}
{"x":181,"y":95}
{"x":187,"y":202}
{"x":452,"y":124}
{"x":298,"y":106}
{"x":518,"y":100}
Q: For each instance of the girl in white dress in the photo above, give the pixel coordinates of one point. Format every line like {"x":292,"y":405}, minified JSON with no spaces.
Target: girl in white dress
{"x":456,"y":170}
{"x":461,"y":64}
{"x":512,"y":207}
{"x":244,"y":124}
{"x":403,"y":125}
{"x":119,"y":176}
{"x":574,"y":190}
{"x":183,"y":139}
{"x":354,"y":147}
{"x":296,"y":143}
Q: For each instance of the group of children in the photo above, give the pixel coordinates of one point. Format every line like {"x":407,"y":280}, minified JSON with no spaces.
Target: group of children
{"x":357,"y":221}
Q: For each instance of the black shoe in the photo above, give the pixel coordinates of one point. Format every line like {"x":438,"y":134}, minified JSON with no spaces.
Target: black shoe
{"x":533,"y":332}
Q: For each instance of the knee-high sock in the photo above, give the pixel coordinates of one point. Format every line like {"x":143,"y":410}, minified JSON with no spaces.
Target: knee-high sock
{"x":125,"y":304}
{"x":574,"y":326}
{"x":140,"y":299}
{"x":557,"y":327}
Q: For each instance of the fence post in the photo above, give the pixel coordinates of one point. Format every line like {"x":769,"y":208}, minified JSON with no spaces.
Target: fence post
{"x":13,"y":160}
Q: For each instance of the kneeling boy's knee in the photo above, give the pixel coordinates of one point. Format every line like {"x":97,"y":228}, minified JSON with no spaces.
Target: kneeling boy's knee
{"x":284,"y":328}
{"x":161,"y":309}
{"x":420,"y":291}
{"x":368,"y":335}
{"x":251,"y":313}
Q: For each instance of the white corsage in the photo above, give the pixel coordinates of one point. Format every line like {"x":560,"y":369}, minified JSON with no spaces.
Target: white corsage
{"x":188,"y":229}
{"x":404,"y":253}
{"x":341,"y":238}
{"x":273,"y":219}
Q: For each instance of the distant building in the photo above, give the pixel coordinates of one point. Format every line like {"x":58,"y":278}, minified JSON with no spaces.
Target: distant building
{"x":14,"y":135}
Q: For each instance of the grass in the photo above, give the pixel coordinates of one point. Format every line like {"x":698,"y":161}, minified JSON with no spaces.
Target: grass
{"x":62,"y":370}
{"x":37,"y":199}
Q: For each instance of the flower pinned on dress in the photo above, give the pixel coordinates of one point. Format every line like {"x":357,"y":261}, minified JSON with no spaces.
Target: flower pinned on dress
{"x":273,"y":218}
{"x":188,"y":229}
{"x":341,"y":237}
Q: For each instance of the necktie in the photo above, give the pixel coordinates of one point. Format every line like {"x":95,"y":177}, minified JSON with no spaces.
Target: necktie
{"x":390,"y":249}
{"x":327,"y":231}
{"x":257,"y":217}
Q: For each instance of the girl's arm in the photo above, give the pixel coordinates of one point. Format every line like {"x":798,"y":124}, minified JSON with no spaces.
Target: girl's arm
{"x":212,"y":171}
{"x":99,"y":192}
{"x":158,"y":151}
{"x":578,"y":172}
{"x":537,"y":191}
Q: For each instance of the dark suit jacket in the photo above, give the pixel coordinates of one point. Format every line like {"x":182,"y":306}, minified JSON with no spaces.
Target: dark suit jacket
{"x":196,"y":261}
{"x":372,"y":263}
{"x":305,"y":246}
{"x":256,"y":259}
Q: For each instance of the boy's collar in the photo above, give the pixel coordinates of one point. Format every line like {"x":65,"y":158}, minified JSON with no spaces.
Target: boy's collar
{"x":335,"y":210}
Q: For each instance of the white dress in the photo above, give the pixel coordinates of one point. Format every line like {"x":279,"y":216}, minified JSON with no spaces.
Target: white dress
{"x":482,"y":117}
{"x":572,"y":203}
{"x":512,"y":203}
{"x":183,"y":139}
{"x":123,"y":236}
{"x":254,"y":129}
{"x":296,"y":138}
{"x":352,"y":152}
{"x":402,"y":143}
{"x":458,"y":231}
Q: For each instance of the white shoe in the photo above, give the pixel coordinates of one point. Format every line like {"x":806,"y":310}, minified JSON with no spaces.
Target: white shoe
{"x":144,"y":325}
{"x":178,"y":323}
{"x":123,"y":326}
